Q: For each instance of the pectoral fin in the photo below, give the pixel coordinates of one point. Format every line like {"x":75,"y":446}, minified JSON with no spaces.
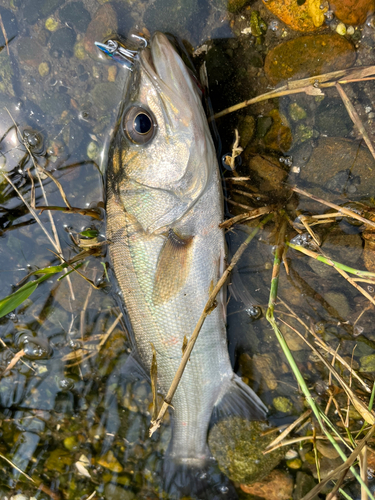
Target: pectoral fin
{"x":172,"y":268}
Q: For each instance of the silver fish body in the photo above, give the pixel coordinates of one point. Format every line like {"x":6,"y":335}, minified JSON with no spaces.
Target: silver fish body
{"x":164,"y":206}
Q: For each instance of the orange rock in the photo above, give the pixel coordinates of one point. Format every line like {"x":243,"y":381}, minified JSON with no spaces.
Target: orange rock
{"x":298,"y":17}
{"x":276,"y":486}
{"x":308,"y":56}
{"x":352,"y":11}
{"x":102,"y":26}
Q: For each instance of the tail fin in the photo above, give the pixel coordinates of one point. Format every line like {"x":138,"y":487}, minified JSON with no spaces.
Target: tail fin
{"x":197,"y":480}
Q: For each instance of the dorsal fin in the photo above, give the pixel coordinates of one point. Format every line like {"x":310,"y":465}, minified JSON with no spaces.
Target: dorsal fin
{"x":172,"y":267}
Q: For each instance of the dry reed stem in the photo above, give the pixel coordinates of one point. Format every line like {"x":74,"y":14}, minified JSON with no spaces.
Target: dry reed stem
{"x":306,"y":85}
{"x":210,"y":305}
{"x":56,"y":245}
{"x":355,"y":118}
{"x":252,"y":214}
{"x":241,"y":205}
{"x":341,"y":210}
{"x":342,"y":468}
{"x":288,"y":430}
{"x":326,"y":347}
{"x":4,"y":34}
{"x":368,"y":416}
{"x":14,"y":360}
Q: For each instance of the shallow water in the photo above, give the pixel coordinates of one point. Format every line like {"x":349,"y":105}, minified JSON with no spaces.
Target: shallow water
{"x":67,"y":416}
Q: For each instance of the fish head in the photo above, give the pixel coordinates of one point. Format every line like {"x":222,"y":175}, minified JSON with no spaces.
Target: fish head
{"x":165,"y":157}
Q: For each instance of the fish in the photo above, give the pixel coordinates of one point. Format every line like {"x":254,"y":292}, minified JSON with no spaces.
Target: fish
{"x":164,"y":206}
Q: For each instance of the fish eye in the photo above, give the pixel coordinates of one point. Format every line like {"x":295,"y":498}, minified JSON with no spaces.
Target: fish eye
{"x":139,"y":125}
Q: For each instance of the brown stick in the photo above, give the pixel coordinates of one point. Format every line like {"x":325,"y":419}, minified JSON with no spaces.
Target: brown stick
{"x":208,"y":308}
{"x":306,"y":85}
{"x":342,"y":210}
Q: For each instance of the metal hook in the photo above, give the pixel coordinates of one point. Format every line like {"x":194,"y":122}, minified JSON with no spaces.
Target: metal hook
{"x":121,"y":54}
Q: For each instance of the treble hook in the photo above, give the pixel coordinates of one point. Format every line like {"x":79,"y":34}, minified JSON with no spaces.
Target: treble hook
{"x":121,"y":54}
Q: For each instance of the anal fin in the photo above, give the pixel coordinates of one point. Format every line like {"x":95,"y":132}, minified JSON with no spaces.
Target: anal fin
{"x":172,"y":267}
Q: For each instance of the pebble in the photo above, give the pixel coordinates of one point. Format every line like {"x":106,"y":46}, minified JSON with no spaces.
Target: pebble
{"x":110,"y":462}
{"x":282,"y":404}
{"x":367,"y":363}
{"x":44,"y":69}
{"x":51,"y":24}
{"x":341,"y":29}
{"x":296,"y":463}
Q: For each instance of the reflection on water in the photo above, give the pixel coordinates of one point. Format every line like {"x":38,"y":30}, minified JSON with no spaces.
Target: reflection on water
{"x":70,"y":418}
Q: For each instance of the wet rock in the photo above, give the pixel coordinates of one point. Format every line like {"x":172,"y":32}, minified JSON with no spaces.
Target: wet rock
{"x":235,"y":6}
{"x":367,"y":363}
{"x":237,"y":445}
{"x":10,"y":26}
{"x":29,"y":52}
{"x":342,"y":247}
{"x":168,"y":15}
{"x":6,"y":74}
{"x":333,"y":119}
{"x":369,"y":255}
{"x":352,"y":11}
{"x":292,"y":13}
{"x":75,"y":15}
{"x":110,"y":462}
{"x":295,"y":463}
{"x":327,"y":450}
{"x":339,"y":302}
{"x":38,"y":9}
{"x":264,"y":123}
{"x":308,"y":56}
{"x":282,"y":404}
{"x":295,"y":343}
{"x":113,"y":492}
{"x":62,"y":42}
{"x":263,"y":365}
{"x":279,"y":136}
{"x":106,"y":96}
{"x":55,"y":104}
{"x":59,"y":460}
{"x":44,"y":69}
{"x":246,"y":129}
{"x":278,"y":485}
{"x":345,"y":167}
{"x":303,"y":133}
{"x":103,"y":24}
{"x":267,"y":171}
{"x":52,"y":24}
{"x":296,"y":112}
{"x":304,"y":484}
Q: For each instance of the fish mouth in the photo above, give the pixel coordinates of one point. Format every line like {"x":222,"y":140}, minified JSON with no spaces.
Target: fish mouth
{"x":166,"y":68}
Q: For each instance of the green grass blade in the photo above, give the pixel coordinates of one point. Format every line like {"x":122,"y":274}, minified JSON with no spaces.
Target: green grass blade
{"x":15,"y":299}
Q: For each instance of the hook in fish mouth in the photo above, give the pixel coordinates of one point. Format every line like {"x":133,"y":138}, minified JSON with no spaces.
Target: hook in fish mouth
{"x":119,"y":53}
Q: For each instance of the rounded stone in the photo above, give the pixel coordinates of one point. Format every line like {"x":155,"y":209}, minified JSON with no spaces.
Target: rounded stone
{"x":307,"y":56}
{"x":352,"y":11}
{"x":292,"y":13}
{"x":237,"y":445}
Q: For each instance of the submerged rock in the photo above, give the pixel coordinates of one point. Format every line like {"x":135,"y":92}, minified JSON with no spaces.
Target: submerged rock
{"x":350,"y":169}
{"x":101,"y":27}
{"x":352,"y":11}
{"x":237,"y":445}
{"x":308,"y":56}
{"x":268,"y":172}
{"x":298,"y":17}
{"x":278,"y":485}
